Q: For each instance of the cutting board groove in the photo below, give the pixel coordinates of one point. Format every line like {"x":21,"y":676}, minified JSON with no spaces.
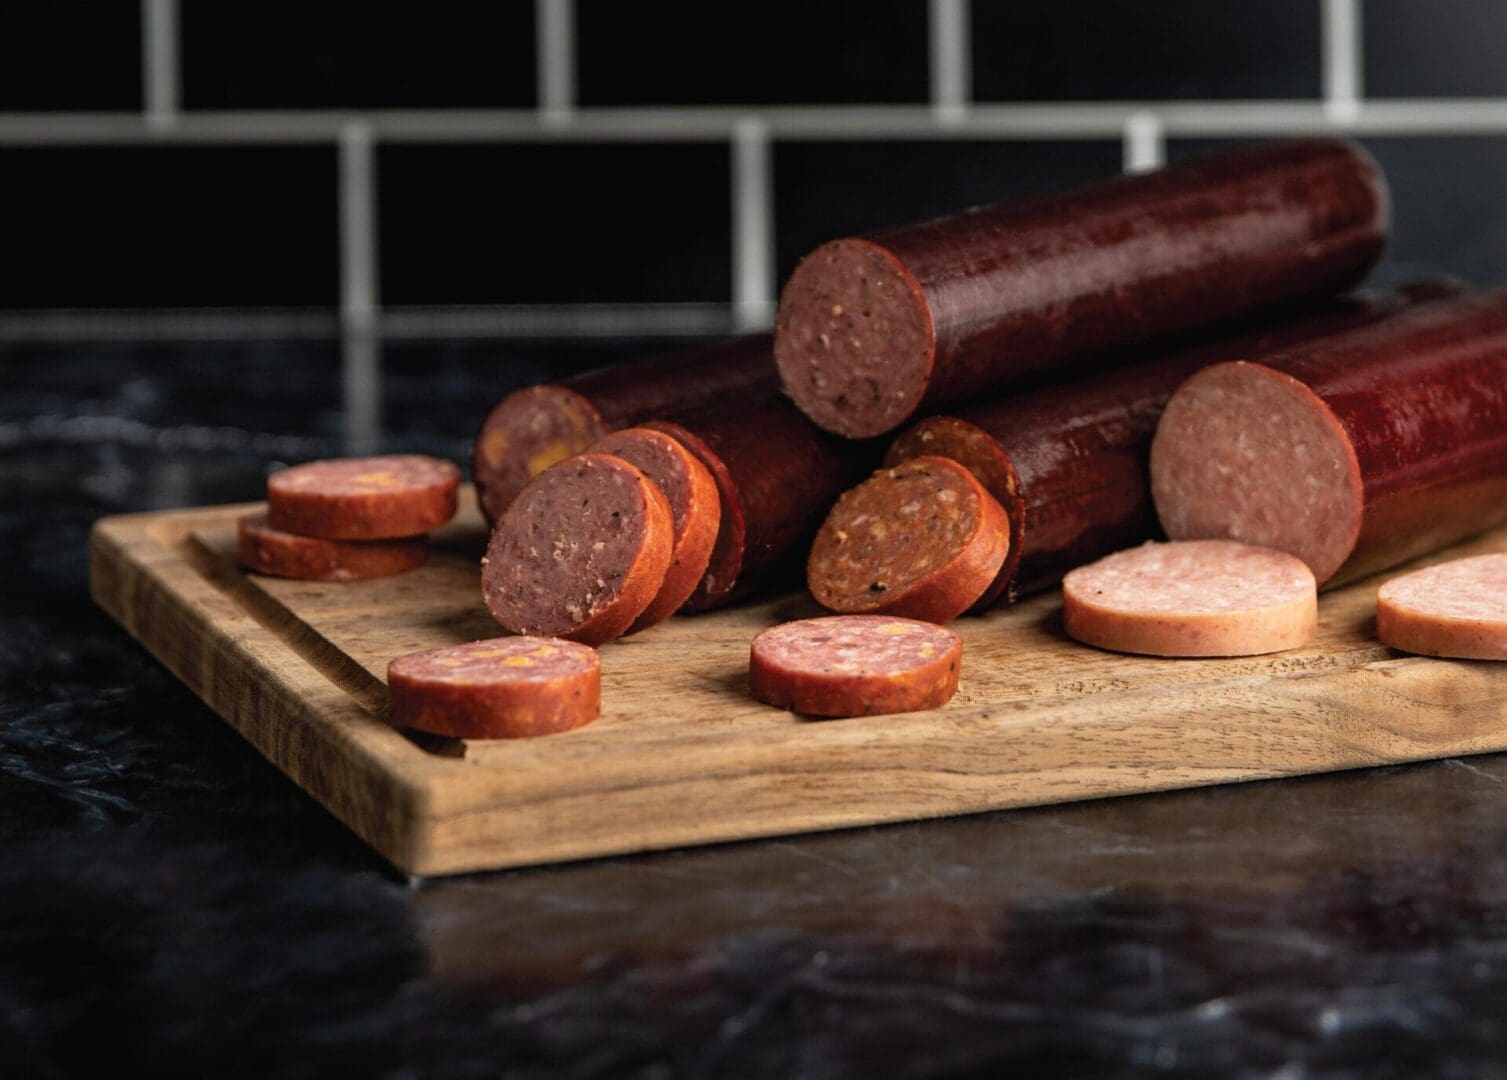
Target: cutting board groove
{"x":682,"y":755}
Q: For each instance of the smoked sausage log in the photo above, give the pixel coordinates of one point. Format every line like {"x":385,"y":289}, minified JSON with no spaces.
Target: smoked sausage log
{"x":1354,"y":452}
{"x":777,"y":474}
{"x":873,"y":330}
{"x":1069,"y":462}
{"x":532,"y":428}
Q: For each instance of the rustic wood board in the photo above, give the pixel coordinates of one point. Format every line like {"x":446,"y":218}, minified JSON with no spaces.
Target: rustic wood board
{"x":682,"y":755}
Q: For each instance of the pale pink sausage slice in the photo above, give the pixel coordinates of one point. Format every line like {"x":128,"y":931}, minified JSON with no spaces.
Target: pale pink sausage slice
{"x":1456,"y":609}
{"x":1192,"y":598}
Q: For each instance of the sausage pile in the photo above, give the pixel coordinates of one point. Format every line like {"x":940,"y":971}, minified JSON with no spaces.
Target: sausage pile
{"x":1153,"y":391}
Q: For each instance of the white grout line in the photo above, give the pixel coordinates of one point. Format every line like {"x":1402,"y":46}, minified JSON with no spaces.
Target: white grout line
{"x":453,"y":322}
{"x":161,"y":79}
{"x":753,"y":226}
{"x":950,"y":36}
{"x":555,"y":59}
{"x":361,"y":368}
{"x":1343,"y":65}
{"x":1074,"y":120}
{"x":1145,"y":146}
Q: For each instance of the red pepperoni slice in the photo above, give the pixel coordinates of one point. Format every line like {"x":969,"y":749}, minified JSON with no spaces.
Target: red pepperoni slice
{"x":581,"y":552}
{"x":1192,"y":598}
{"x":373,"y":498}
{"x":855,"y":665}
{"x":498,"y":689}
{"x":266,"y":550}
{"x":688,"y":487}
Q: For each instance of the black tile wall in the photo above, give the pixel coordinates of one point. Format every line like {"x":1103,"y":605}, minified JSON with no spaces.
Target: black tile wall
{"x":46,"y":64}
{"x":168,"y":226}
{"x":438,"y":393}
{"x":688,"y":52}
{"x":1088,"y":50}
{"x":826,"y":190}
{"x":1448,"y":213}
{"x":1439,"y":48}
{"x":340,"y":53}
{"x":556,"y":222}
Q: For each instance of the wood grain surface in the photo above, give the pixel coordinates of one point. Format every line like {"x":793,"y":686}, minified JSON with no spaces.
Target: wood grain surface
{"x":682,"y":755}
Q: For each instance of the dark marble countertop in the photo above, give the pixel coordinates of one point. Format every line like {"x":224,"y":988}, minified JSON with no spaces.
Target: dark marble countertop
{"x":170,"y":900}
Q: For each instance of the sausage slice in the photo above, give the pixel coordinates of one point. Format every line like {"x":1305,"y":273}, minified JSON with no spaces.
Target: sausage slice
{"x":688,"y":487}
{"x":1457,"y":609}
{"x":371,"y":498}
{"x":498,"y":689}
{"x":855,"y":665}
{"x":581,"y":552}
{"x":922,"y":540}
{"x":266,"y":550}
{"x":1192,"y":598}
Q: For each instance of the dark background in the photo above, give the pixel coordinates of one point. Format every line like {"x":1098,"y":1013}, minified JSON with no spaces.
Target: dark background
{"x":553,"y":221}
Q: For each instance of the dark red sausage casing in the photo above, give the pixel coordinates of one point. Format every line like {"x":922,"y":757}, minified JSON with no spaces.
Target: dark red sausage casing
{"x":873,"y":330}
{"x":1068,"y":462}
{"x":777,"y":474}
{"x":533,"y":428}
{"x":1354,"y":452}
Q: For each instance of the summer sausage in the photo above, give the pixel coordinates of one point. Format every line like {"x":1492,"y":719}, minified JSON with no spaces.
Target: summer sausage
{"x":1354,"y":452}
{"x":533,"y":428}
{"x":266,"y":550}
{"x":872,"y":330}
{"x":688,"y":487}
{"x":922,"y":539}
{"x":855,"y":665}
{"x":581,"y":552}
{"x":1068,"y":462}
{"x":504,"y":688}
{"x":1457,"y":608}
{"x":777,"y":475}
{"x":372,"y":498}
{"x":1193,"y":598}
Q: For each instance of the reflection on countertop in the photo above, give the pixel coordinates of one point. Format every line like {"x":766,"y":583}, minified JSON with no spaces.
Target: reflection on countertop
{"x":169,"y":895}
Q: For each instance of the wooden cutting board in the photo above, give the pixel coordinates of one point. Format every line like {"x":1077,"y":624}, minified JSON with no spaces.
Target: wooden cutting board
{"x":682,"y":755}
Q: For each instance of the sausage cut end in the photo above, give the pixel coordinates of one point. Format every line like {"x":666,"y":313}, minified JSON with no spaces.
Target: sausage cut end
{"x":854,"y":341}
{"x":922,"y":540}
{"x":580,"y":553}
{"x":528,"y":431}
{"x":1244,"y":452}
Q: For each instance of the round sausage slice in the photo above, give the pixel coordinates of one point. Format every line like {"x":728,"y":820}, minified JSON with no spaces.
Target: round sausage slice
{"x":498,"y":689}
{"x":371,"y":498}
{"x":1192,"y":598}
{"x":266,"y":550}
{"x":688,"y":487}
{"x":855,"y":665}
{"x":922,"y":540}
{"x":1456,"y":609}
{"x":581,"y":552}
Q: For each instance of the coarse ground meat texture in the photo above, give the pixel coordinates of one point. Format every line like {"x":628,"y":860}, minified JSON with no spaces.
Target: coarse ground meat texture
{"x":266,"y":550}
{"x":922,"y":540}
{"x":1246,"y":453}
{"x":501,"y":688}
{"x":580,"y":553}
{"x":855,"y":665}
{"x":1456,"y":609}
{"x":688,"y":487}
{"x":372,"y":498}
{"x":1192,"y":598}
